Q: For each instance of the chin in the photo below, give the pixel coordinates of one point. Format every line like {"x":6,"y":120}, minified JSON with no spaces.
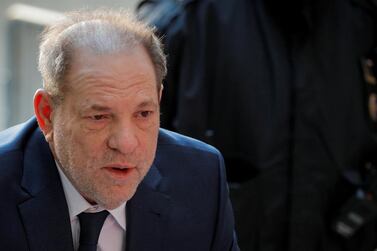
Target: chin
{"x":110,"y":205}
{"x":110,"y":201}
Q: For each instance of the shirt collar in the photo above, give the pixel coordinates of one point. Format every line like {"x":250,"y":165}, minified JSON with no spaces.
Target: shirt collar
{"x":78,"y":204}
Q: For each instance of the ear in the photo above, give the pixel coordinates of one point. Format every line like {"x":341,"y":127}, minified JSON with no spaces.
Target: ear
{"x":43,"y":109}
{"x":160,"y":94}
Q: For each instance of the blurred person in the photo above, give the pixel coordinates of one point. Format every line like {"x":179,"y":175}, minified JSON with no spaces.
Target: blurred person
{"x":280,"y":88}
{"x":93,"y":170}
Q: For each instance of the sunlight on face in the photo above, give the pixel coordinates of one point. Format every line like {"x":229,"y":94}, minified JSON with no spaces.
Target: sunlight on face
{"x":105,"y":131}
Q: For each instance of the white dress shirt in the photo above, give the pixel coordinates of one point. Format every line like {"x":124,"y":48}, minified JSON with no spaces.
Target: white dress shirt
{"x":113,"y":233}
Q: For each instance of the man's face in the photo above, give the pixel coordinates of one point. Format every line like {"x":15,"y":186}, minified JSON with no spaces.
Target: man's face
{"x":105,"y":130}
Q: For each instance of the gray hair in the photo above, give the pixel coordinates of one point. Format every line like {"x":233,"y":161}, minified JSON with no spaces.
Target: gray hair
{"x":103,"y":31}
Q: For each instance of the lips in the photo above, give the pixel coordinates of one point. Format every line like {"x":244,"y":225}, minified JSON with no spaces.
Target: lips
{"x":118,"y":172}
{"x":117,"y":169}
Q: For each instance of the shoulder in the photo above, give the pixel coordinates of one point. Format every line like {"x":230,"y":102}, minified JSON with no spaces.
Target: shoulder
{"x":171,"y":140}
{"x":12,"y":147}
{"x":14,"y":138}
{"x":181,"y":156}
{"x":186,"y":161}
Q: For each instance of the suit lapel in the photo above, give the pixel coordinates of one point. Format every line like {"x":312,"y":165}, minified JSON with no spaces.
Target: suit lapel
{"x":45,"y":215}
{"x":147,"y":214}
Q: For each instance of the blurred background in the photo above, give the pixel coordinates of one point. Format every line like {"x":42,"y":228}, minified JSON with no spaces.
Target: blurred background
{"x":20,"y":26}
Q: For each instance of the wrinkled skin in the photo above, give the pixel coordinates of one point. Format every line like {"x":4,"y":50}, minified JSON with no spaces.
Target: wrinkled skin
{"x":104,"y":133}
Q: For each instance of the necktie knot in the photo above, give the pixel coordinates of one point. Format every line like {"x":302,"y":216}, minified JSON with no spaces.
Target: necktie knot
{"x":90,"y":229}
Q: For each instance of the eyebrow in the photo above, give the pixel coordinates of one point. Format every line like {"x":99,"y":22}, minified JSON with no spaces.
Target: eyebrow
{"x":99,"y":108}
{"x":94,"y":107}
{"x":102,"y":108}
{"x":147,"y":103}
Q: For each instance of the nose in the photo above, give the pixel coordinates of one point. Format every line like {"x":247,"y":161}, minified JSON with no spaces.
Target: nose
{"x":123,"y":138}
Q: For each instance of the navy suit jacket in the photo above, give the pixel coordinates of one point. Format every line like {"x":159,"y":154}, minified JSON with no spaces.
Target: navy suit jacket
{"x":182,"y":204}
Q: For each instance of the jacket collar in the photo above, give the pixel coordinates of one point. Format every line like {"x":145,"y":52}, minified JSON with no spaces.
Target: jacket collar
{"x":46,"y":209}
{"x":147,"y":214}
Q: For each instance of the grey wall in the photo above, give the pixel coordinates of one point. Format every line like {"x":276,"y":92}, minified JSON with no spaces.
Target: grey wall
{"x":19,"y":77}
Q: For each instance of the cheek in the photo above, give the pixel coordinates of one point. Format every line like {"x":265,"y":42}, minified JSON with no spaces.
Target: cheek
{"x":82,"y":144}
{"x":90,"y":144}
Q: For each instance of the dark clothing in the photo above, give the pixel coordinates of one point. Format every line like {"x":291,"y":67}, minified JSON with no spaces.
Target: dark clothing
{"x":331,"y":128}
{"x":277,"y":86}
{"x":182,"y":203}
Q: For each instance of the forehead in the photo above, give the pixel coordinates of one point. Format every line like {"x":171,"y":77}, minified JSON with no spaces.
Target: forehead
{"x":119,"y":73}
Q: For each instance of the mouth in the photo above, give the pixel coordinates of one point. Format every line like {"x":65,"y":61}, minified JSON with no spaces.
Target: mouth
{"x":117,"y":169}
{"x":119,"y":173}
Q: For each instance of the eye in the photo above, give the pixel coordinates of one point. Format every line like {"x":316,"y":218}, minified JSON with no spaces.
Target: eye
{"x":145,"y":114}
{"x":98,"y":117}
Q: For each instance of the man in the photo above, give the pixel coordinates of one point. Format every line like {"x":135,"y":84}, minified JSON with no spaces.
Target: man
{"x":97,"y":150}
